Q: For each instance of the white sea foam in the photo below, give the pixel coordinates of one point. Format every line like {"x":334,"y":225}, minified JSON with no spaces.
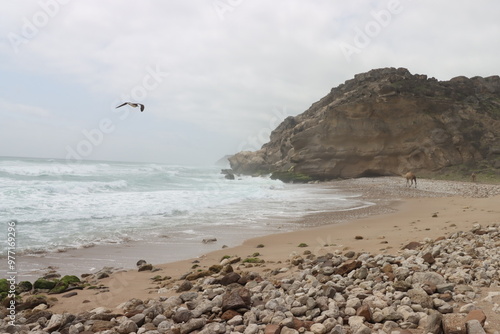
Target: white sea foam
{"x":60,"y":206}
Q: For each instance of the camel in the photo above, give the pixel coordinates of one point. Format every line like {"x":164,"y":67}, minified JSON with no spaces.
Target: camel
{"x":473,"y":177}
{"x":410,"y":178}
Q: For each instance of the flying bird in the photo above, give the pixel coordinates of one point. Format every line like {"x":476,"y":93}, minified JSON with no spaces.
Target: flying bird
{"x":132,"y":104}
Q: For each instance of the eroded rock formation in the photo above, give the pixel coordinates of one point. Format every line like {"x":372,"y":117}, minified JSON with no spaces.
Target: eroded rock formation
{"x":386,"y":122}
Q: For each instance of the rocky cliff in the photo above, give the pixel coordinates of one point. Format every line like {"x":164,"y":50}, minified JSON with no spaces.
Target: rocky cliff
{"x":386,"y":122}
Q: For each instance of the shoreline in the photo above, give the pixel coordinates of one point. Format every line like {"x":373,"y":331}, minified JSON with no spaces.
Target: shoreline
{"x":386,"y":194}
{"x":124,"y":256}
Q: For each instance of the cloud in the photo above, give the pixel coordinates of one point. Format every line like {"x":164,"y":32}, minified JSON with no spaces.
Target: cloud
{"x":229,"y":63}
{"x":19,"y":110}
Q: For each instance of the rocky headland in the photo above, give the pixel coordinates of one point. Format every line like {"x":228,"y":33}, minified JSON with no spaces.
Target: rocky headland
{"x":386,"y":122}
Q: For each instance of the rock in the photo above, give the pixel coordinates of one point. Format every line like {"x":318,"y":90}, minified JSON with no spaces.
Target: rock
{"x":318,"y":329}
{"x":454,"y":324}
{"x":44,"y":284}
{"x":429,"y":287}
{"x":146,"y":267}
{"x":442,"y":288}
{"x":32,"y":302}
{"x":182,"y":315}
{"x":198,"y":274}
{"x":287,"y":330}
{"x":236,"y":320}
{"x":23,"y":286}
{"x":230,"y":278}
{"x":126,"y":327}
{"x":347,"y":267}
{"x":428,"y":258}
{"x":433,"y":323}
{"x":428,"y":277}
{"x":192,"y":325}
{"x":138,"y":319}
{"x":101,"y":325}
{"x":55,"y":322}
{"x":272,"y":329}
{"x":474,"y":327}
{"x":420,"y":297}
{"x":412,"y":245}
{"x":188,"y":296}
{"x":365,"y":312}
{"x":236,"y":299}
{"x":185,"y":286}
{"x":476,"y":315}
{"x":251,"y":329}
{"x":401,"y":285}
{"x":70,"y":294}
{"x":299,"y":310}
{"x":37,"y":315}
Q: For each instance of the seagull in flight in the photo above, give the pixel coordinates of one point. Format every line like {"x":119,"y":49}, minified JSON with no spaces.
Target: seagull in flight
{"x":132,"y":104}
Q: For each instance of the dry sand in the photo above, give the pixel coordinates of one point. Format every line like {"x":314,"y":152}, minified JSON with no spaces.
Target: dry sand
{"x":436,"y":208}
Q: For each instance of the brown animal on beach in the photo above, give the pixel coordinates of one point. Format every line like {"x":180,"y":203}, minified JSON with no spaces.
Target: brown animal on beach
{"x":473,"y":177}
{"x":410,"y":178}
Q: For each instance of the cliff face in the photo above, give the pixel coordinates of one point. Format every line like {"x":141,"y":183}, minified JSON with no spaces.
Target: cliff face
{"x":386,"y":122}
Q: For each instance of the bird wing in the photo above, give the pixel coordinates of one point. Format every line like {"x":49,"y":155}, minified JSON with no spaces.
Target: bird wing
{"x":121,"y":105}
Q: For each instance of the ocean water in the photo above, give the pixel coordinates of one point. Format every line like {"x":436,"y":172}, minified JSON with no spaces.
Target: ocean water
{"x":59,"y":205}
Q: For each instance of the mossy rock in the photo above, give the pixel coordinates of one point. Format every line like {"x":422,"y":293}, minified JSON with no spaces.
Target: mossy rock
{"x":4,"y":285}
{"x":303,"y":244}
{"x":24,"y":286}
{"x":216,"y":268}
{"x":64,"y":283}
{"x":291,"y":177}
{"x":59,"y":288}
{"x":70,"y":279}
{"x":253,"y":260}
{"x":42,"y":283}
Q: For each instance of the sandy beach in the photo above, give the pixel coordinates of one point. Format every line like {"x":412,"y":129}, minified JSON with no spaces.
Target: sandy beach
{"x":401,"y":215}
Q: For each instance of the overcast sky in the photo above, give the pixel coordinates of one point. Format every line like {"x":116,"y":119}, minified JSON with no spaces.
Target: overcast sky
{"x":216,"y":76}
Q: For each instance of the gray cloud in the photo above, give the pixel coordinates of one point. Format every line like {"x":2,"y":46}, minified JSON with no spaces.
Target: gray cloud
{"x":222,"y":67}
